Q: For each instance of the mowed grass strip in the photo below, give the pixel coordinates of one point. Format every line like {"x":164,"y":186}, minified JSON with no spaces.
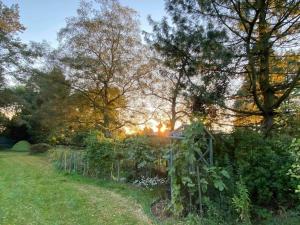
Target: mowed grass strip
{"x":32,"y":192}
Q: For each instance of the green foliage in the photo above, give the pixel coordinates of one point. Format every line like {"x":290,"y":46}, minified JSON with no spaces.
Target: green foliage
{"x":187,"y":46}
{"x":39,"y":148}
{"x":258,"y":21}
{"x":21,"y":146}
{"x":212,"y":217}
{"x":70,"y":161}
{"x":78,"y":138}
{"x":6,"y":143}
{"x":17,"y":129}
{"x":241,"y":202}
{"x":128,"y":159}
{"x":96,"y":160}
{"x":43,"y":104}
{"x":294,"y":171}
{"x":192,"y":219}
{"x":263,"y":165}
{"x":12,"y":50}
{"x":100,"y":154}
{"x":139,"y":152}
{"x":291,"y":217}
{"x":192,"y":180}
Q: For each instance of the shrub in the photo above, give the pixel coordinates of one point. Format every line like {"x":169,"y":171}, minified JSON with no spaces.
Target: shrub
{"x":99,"y":154}
{"x":21,"y":146}
{"x":263,"y":165}
{"x":106,"y":156}
{"x":39,"y":148}
{"x":128,"y":159}
{"x":294,"y":171}
{"x":140,"y":155}
{"x":78,"y":138}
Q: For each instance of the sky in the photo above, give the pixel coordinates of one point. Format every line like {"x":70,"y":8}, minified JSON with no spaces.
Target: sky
{"x":44,"y":18}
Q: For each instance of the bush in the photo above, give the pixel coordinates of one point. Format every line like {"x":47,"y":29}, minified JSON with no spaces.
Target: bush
{"x":21,"y":146}
{"x":263,"y":164}
{"x":130,"y":158}
{"x":99,"y":154}
{"x":39,"y":148}
{"x":294,"y":171}
{"x":140,"y":155}
{"x":103,"y":157}
{"x":78,"y":138}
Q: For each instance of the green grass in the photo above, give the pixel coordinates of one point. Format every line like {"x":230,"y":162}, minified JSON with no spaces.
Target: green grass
{"x":291,"y":217}
{"x":21,"y":146}
{"x":33,"y":192}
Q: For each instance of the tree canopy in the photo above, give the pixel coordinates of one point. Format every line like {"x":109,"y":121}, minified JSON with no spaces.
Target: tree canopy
{"x":262,"y":34}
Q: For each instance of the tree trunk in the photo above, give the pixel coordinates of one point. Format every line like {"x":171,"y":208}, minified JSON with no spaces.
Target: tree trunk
{"x":174,"y":103}
{"x":106,"y":117}
{"x":106,"y":123}
{"x":268,"y":123}
{"x":173,"y":114}
{"x":264,"y":51}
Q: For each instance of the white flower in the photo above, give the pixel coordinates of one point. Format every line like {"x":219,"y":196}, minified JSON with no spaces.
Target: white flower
{"x":149,"y":182}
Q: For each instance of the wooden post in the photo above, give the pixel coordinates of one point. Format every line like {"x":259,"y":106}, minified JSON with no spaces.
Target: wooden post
{"x":65,"y":154}
{"x":75,"y":162}
{"x":118,"y":168}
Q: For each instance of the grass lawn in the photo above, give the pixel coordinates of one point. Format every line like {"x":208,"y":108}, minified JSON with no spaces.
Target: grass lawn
{"x":33,"y":192}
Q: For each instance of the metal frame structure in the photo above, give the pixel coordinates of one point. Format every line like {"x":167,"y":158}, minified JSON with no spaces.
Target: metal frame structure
{"x":205,"y":156}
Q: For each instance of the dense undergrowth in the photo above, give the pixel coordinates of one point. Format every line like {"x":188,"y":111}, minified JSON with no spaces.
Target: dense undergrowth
{"x":253,"y":180}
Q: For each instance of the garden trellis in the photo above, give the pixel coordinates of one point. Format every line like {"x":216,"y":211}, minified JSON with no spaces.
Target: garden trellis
{"x":201,"y":149}
{"x":205,"y":155}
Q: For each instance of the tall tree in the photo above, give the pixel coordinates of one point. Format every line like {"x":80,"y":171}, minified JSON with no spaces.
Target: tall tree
{"x":168,"y":79}
{"x":103,"y":53}
{"x":16,"y":58}
{"x":192,"y":53}
{"x":12,"y":52}
{"x":9,"y":46}
{"x":260,"y":30}
{"x":167,"y":86}
{"x":43,"y":104}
